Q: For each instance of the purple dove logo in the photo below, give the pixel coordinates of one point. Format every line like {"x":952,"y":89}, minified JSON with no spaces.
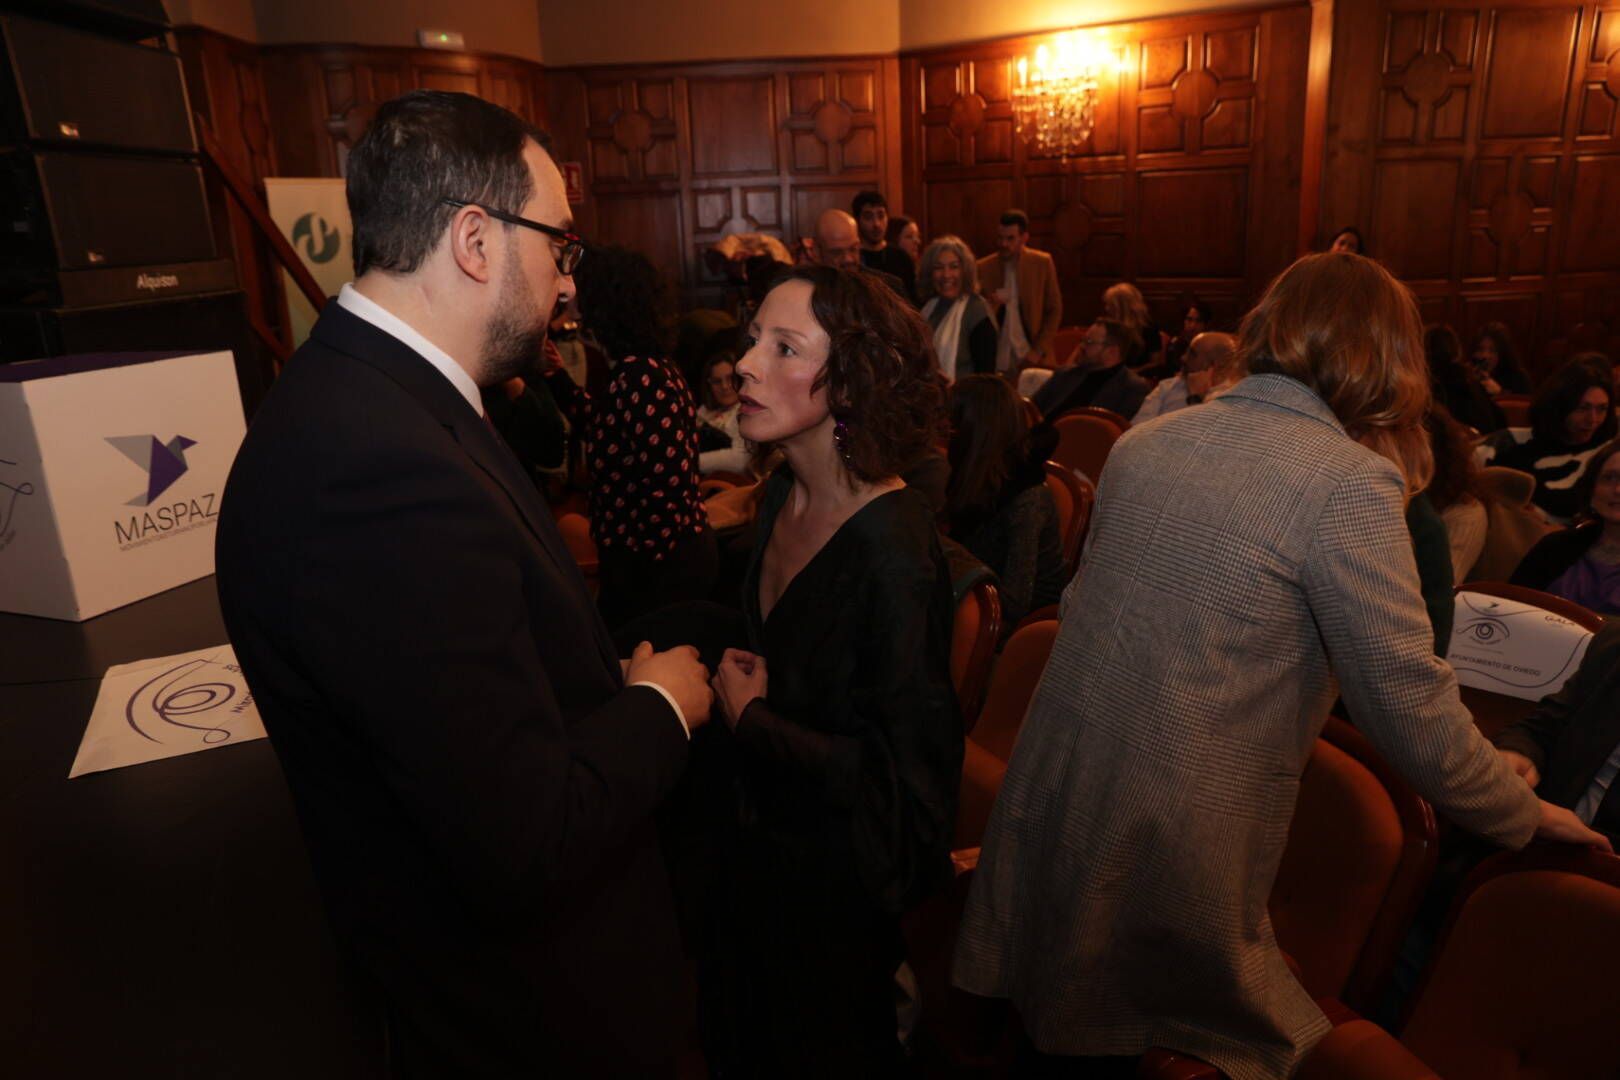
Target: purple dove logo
{"x":164,"y":462}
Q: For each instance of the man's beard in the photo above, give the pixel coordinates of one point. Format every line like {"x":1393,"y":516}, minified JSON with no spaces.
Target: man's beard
{"x":517,"y":331}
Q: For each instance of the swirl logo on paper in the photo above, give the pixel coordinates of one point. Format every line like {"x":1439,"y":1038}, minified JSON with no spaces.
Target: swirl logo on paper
{"x":188,"y":697}
{"x":12,"y":491}
{"x":304,"y":231}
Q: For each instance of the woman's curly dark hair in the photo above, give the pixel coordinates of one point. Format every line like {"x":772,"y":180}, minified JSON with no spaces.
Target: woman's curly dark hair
{"x":881,"y":377}
{"x":1563,"y":391}
{"x":624,"y":301}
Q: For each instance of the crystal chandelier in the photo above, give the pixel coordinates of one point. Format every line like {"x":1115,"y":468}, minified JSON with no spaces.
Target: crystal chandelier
{"x":1055,"y":100}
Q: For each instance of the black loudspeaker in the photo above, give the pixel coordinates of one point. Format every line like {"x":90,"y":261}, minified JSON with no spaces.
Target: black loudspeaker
{"x":191,"y":324}
{"x":70,"y":88}
{"x":131,"y":19}
{"x":75,"y":216}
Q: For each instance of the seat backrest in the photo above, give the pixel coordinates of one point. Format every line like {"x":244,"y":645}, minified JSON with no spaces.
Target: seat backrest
{"x":1523,"y":982}
{"x":1511,"y":646}
{"x":1074,"y":496}
{"x":1064,"y":344}
{"x":1515,"y":408}
{"x":982,"y":773}
{"x":1360,"y":852}
{"x":1084,"y":442}
{"x":973,"y":646}
{"x":1012,"y":684}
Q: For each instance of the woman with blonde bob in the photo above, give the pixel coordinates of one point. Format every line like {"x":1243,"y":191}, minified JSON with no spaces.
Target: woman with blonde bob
{"x":1248,"y":563}
{"x":1124,"y":303}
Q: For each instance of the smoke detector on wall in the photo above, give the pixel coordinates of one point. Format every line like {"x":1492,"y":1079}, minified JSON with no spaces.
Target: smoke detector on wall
{"x":441,"y":39}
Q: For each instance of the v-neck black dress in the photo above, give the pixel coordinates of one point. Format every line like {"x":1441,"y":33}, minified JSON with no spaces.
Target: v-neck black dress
{"x":849,"y":770}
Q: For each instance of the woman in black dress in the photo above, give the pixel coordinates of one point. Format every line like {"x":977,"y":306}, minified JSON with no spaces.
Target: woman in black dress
{"x":849,"y":746}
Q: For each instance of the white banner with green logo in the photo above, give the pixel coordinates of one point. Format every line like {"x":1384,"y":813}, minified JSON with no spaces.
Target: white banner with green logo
{"x":313,"y":214}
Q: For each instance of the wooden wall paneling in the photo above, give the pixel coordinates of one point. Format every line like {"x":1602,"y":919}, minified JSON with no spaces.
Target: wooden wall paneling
{"x":1197,"y":141}
{"x":325,"y":95}
{"x":227,"y":89}
{"x":1478,"y":179}
{"x":721,"y":148}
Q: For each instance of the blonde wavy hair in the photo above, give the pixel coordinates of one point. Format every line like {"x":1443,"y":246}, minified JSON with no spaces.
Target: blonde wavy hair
{"x":1124,"y":303}
{"x":1345,"y":327}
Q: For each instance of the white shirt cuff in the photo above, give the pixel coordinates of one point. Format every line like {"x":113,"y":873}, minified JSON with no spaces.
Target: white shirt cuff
{"x":669,"y":698}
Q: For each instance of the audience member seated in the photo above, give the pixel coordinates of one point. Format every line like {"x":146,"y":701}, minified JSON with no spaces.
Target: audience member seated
{"x":1570,"y":419}
{"x":1568,"y":750}
{"x":838,"y":244}
{"x":1497,"y":361}
{"x":904,"y":234}
{"x":1098,"y":378}
{"x":1456,"y":385}
{"x":647,"y":520}
{"x":998,"y":503}
{"x":1207,"y":361}
{"x":1194,"y":321}
{"x":965,"y":333}
{"x":1349,"y":239}
{"x":1457,"y":490}
{"x":1021,"y":287}
{"x":1582,"y":563}
{"x":721,"y":447}
{"x":871,"y":212}
{"x":1123,"y":302}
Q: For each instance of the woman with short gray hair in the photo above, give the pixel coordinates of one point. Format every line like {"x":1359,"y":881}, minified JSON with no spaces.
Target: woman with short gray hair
{"x":964,"y":330}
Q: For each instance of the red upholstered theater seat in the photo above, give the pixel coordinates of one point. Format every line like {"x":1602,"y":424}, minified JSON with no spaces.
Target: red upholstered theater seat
{"x":1085,"y":439}
{"x":973,"y":647}
{"x":1361,"y":851}
{"x":1523,"y":986}
{"x":1075,"y":497}
{"x":1012,"y":684}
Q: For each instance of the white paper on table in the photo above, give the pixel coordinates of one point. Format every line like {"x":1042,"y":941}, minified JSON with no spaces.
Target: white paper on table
{"x":1514,"y":649}
{"x":168,"y":706}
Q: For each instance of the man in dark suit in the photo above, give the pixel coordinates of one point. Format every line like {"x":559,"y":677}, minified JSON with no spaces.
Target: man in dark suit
{"x":474,"y":770}
{"x":838,"y":243}
{"x":1569,"y":748}
{"x":1098,"y":377}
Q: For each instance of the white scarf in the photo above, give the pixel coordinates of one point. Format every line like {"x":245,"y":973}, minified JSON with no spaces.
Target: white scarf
{"x":947,"y":334}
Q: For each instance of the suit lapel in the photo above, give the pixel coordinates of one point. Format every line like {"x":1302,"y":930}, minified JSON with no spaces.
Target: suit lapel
{"x":346,"y":332}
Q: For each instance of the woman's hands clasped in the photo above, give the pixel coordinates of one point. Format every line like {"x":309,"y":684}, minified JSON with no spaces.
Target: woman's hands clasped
{"x":739,"y":679}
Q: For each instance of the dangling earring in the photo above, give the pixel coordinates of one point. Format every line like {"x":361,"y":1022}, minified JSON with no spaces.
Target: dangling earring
{"x":841,"y":441}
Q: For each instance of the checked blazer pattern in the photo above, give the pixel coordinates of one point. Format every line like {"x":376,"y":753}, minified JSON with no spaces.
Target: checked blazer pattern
{"x":1244,"y":553}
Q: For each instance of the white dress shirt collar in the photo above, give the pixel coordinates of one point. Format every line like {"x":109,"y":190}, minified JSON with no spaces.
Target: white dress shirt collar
{"x":392,"y":325}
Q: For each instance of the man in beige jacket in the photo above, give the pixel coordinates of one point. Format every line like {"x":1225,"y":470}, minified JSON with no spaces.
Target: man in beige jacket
{"x":1021,"y":286}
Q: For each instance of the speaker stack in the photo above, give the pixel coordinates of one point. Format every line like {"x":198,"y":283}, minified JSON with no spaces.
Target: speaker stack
{"x":106,"y":242}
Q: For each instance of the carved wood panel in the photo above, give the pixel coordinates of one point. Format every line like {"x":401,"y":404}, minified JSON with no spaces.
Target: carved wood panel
{"x":751,"y":147}
{"x":1177,"y":186}
{"x":326,"y":94}
{"x":1488,"y":177}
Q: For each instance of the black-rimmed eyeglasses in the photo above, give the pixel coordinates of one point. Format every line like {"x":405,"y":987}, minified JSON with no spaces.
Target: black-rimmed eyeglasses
{"x":570,"y":250}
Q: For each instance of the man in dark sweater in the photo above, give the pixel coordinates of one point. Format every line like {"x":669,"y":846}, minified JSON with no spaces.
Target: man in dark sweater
{"x":871,"y":212}
{"x":1098,"y":377}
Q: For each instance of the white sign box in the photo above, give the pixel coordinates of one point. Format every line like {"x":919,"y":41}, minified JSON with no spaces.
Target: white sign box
{"x":111,"y":469}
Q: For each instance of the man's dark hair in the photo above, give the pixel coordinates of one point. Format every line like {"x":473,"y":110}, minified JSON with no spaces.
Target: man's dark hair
{"x":865,"y":199}
{"x":1119,"y":335}
{"x":1202,"y":307}
{"x":420,"y":149}
{"x":1016,"y":217}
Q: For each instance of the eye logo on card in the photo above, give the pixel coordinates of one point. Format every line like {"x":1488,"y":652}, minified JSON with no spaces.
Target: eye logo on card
{"x":11,"y":492}
{"x":164,"y":462}
{"x":303,"y":237}
{"x":183,"y":691}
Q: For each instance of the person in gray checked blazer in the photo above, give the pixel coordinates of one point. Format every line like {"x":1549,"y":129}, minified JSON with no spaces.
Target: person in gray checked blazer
{"x":1248,"y":563}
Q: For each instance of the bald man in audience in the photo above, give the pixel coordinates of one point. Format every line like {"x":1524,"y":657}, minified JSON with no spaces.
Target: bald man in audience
{"x":838,"y":243}
{"x":1204,"y":375}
